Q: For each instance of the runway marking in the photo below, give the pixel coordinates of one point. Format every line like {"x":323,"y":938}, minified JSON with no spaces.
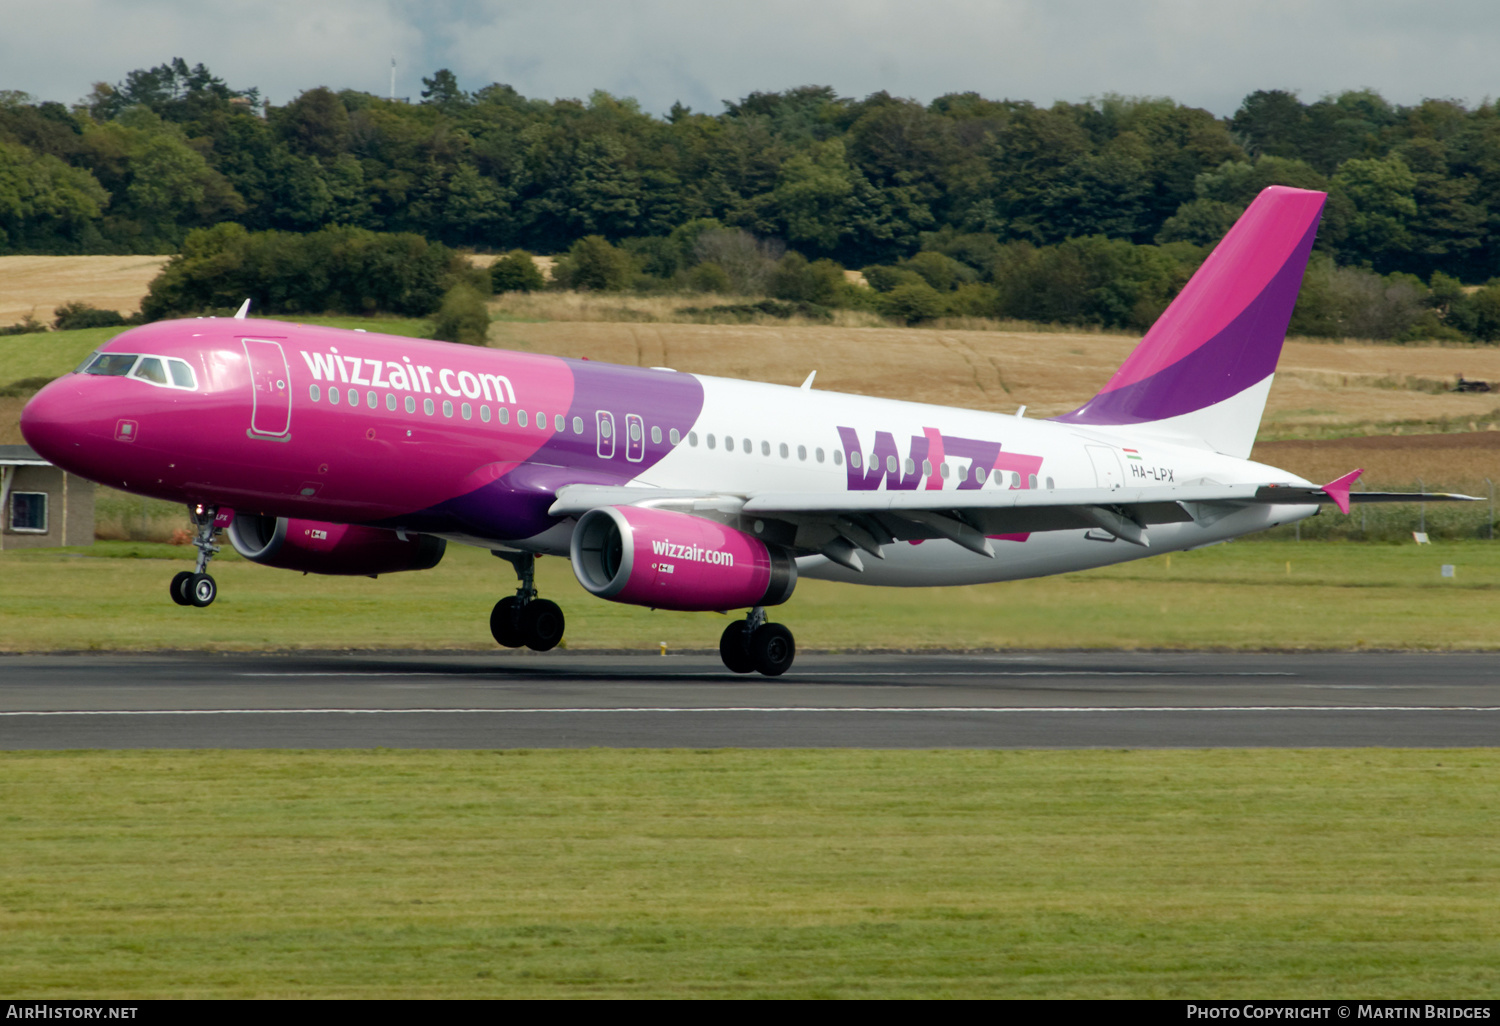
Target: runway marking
{"x":768,"y":709}
{"x":825,"y":673}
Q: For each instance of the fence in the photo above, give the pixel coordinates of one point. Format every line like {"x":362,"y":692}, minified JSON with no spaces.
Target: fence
{"x":1395,"y":522}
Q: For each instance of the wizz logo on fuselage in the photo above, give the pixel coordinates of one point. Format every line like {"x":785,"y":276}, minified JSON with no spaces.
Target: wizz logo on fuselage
{"x":867,"y":469}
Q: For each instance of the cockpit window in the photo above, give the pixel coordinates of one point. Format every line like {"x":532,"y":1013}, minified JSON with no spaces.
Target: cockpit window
{"x":111,"y":364}
{"x":154,"y":369}
{"x":150,"y":369}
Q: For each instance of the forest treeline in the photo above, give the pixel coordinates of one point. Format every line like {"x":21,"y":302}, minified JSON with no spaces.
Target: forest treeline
{"x":1091,"y":213}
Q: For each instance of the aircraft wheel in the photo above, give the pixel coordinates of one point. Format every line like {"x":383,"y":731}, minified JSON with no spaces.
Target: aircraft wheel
{"x":179,"y":588}
{"x":543,"y":623}
{"x":734,"y":648}
{"x":772,"y":648}
{"x":505,"y":623}
{"x":201,"y":590}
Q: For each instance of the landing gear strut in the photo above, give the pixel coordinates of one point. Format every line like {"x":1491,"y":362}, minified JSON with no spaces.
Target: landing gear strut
{"x":752,"y":644}
{"x":523,"y":618}
{"x":196,"y":587}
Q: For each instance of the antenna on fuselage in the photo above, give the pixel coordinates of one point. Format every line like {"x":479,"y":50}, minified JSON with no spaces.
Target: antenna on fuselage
{"x":244,"y":309}
{"x":808,"y":383}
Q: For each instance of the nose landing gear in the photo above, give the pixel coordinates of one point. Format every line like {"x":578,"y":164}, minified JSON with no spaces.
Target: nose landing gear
{"x":523,"y":618}
{"x":196,"y":587}
{"x":752,"y":644}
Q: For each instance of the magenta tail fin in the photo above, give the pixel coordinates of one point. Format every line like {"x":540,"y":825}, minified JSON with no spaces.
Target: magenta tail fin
{"x":1203,"y":370}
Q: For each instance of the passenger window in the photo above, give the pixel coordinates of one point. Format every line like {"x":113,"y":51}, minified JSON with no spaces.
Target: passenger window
{"x":372,"y":400}
{"x":676,"y":436}
{"x":1031,"y":481}
{"x":484,"y":414}
{"x":728,"y":442}
{"x":313,"y":392}
{"x":765,"y":448}
{"x":333,"y":396}
{"x":890,"y":464}
{"x":855,"y":459}
{"x":710,"y":440}
{"x":520,"y":418}
{"x":926,"y":468}
{"x":745,"y":444}
{"x":541,"y":421}
{"x":910,"y":467}
{"x":838,"y":457}
{"x":447,"y":408}
{"x":785,"y":452}
{"x":560,"y":423}
{"x":655,"y":435}
{"x":943,"y":470}
{"x":427,"y":407}
{"x":802,"y":452}
{"x":693,"y":439}
{"x":467,"y":411}
{"x":411,"y":405}
{"x":635,"y":430}
{"x":390,"y":401}
{"x":151,"y":370}
{"x":1049,"y":484}
{"x":578,"y":425}
{"x":182,"y":374}
{"x":502,"y":414}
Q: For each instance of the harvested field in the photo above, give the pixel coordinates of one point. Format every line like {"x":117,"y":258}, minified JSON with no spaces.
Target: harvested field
{"x":37,"y":285}
{"x":1461,"y":461}
{"x":1321,"y":390}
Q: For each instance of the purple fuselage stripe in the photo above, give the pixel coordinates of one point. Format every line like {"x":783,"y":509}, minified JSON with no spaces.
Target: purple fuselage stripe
{"x":515,"y":506}
{"x":1242,"y":355}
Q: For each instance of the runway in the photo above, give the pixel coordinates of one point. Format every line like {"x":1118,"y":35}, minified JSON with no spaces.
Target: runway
{"x":565,"y":700}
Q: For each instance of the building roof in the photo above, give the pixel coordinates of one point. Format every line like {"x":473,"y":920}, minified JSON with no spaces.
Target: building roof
{"x":21,"y":456}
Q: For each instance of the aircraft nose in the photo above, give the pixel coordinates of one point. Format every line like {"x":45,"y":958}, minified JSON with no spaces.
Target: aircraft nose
{"x":49,"y":422}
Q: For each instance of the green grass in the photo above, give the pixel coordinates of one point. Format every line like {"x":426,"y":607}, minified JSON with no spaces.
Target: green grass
{"x":1307,"y":874}
{"x":1247,"y":595}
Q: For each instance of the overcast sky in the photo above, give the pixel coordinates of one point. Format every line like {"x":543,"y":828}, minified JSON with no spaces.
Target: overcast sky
{"x":1200,"y":52}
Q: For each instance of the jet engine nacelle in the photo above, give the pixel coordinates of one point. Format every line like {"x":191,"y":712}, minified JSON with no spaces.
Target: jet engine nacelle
{"x":666,"y":560}
{"x":316,"y":547}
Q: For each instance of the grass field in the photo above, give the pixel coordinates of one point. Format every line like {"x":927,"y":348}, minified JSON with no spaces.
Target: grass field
{"x":1247,"y":595}
{"x":1307,"y":874}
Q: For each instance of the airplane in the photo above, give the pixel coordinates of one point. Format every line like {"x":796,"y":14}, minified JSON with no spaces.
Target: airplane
{"x":331,"y":451}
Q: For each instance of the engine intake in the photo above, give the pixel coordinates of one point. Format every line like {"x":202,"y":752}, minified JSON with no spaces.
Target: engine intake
{"x":666,"y":560}
{"x":316,"y":547}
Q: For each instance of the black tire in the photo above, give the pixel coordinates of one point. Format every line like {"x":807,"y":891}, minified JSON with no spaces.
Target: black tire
{"x":505,"y":623}
{"x":543,"y":623}
{"x":734,"y":648}
{"x":179,"y":588}
{"x":202,"y":590}
{"x":772,"y":648}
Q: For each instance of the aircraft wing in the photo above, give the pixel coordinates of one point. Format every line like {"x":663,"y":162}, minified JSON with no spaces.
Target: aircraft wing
{"x":840,"y":524}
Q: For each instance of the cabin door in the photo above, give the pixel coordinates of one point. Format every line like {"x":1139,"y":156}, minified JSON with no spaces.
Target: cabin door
{"x":271,"y":393}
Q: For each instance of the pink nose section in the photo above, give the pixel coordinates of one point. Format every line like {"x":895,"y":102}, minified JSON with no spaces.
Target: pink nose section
{"x":48,"y":425}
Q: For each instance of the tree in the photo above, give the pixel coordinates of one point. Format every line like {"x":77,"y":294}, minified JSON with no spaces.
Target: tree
{"x":516,"y":272}
{"x":462,"y":317}
{"x":592,"y":264}
{"x":1385,"y":207}
{"x":442,"y":90}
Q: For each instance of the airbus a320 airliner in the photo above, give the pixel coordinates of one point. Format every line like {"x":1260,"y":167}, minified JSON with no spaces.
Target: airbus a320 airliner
{"x":345,"y":452}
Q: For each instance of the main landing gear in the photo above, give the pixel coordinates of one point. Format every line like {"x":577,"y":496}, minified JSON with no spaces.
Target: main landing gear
{"x":524,"y":619}
{"x":753,"y":644}
{"x":196,"y":587}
